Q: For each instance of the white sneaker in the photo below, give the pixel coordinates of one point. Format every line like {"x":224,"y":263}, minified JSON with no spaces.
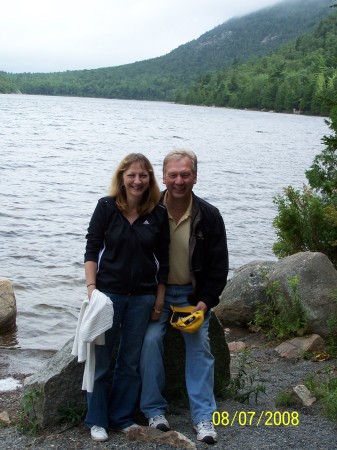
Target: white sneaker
{"x":98,"y":434}
{"x":125,"y":430}
{"x":159,"y":422}
{"x":206,"y":432}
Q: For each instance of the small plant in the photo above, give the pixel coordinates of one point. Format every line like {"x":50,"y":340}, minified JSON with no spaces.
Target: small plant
{"x":285,"y":399}
{"x":244,"y":384}
{"x":28,"y":421}
{"x":324,"y":386}
{"x":281,"y":318}
{"x":72,"y":414}
{"x":331,"y":340}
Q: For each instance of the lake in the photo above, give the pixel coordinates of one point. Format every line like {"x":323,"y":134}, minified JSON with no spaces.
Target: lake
{"x":57,"y":158}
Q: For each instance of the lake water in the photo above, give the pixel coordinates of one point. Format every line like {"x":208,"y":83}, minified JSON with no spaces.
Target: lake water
{"x":57,"y":156}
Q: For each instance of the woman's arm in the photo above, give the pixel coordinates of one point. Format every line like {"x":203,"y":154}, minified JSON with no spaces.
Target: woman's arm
{"x":159,"y":303}
{"x":90,"y":268}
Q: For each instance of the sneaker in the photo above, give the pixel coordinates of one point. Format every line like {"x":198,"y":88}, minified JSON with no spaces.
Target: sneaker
{"x":125,"y":430}
{"x":206,"y":432}
{"x":98,"y":434}
{"x":159,"y":422}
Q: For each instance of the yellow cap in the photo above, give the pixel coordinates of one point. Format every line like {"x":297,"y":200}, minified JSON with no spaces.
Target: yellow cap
{"x":183,"y":319}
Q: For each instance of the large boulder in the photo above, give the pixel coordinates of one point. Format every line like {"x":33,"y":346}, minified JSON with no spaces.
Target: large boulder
{"x":244,"y":290}
{"x":7,"y":306}
{"x":57,"y":386}
{"x":317,"y":282}
{"x":317,"y":285}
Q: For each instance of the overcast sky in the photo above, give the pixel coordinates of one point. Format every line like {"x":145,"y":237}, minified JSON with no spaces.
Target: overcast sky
{"x":59,"y":35}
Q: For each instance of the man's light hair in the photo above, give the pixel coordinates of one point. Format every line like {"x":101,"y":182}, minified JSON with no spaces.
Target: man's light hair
{"x":182,"y":153}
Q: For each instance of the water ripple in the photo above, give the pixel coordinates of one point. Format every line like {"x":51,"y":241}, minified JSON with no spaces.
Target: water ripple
{"x":60,"y":155}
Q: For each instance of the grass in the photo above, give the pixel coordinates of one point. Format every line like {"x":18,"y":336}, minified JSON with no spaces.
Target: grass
{"x":245,"y":385}
{"x":323,"y":384}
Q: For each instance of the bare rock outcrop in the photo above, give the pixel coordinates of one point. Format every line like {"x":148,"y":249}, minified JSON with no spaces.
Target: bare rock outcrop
{"x":7,"y":306}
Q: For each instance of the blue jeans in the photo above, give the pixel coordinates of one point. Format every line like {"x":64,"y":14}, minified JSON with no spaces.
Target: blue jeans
{"x":130,"y":321}
{"x":199,"y":369}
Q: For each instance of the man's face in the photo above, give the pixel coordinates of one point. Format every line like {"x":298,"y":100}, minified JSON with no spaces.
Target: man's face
{"x":179,"y":178}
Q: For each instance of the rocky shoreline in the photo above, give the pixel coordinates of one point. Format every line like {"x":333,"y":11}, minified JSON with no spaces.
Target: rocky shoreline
{"x":241,"y":426}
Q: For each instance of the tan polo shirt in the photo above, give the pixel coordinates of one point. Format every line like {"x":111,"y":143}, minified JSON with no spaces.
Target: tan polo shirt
{"x":179,"y":272}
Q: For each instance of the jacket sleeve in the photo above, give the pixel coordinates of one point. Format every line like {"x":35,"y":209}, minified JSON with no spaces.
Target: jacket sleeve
{"x":96,"y":231}
{"x":216,"y":265}
{"x":162,"y":247}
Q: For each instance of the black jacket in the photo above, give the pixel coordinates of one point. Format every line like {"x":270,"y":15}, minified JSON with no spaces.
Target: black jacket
{"x":208,"y":256}
{"x":132,"y":259}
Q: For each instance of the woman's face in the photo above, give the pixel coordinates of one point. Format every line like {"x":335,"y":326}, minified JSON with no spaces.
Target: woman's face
{"x":136,"y":180}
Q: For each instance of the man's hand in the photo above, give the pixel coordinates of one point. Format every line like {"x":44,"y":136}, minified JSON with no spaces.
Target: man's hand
{"x":201,"y":306}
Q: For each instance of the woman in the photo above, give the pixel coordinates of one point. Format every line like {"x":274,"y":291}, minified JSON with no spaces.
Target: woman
{"x":126,"y":258}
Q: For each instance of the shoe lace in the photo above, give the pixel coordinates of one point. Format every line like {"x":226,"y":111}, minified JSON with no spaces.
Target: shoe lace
{"x":206,"y":425}
{"x":159,"y":417}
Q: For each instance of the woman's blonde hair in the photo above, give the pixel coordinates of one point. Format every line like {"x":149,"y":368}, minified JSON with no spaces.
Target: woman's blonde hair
{"x":151,"y":195}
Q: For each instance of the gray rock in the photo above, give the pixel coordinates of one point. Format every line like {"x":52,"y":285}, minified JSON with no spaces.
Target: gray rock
{"x":56,"y":386}
{"x":317,"y":279}
{"x":244,"y":290}
{"x":303,"y":395}
{"x":317,"y":282}
{"x":58,"y":383}
{"x":7,"y":306}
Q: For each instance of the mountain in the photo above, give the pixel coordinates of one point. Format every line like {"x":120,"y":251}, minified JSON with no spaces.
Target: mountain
{"x":300,"y":76}
{"x":235,"y":41}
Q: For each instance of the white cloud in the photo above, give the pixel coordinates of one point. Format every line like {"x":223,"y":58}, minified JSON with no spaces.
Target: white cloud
{"x":42,"y":35}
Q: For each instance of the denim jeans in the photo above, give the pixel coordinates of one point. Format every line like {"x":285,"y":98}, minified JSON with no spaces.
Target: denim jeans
{"x":199,"y":369}
{"x":130,"y":321}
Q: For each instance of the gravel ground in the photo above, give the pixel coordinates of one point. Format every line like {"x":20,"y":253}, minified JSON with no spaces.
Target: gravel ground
{"x":261,"y":432}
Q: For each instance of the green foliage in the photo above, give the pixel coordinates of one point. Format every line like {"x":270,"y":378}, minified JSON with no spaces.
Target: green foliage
{"x":244,"y":384}
{"x":324,"y":386}
{"x":72,"y":414}
{"x":281,"y":318}
{"x":28,"y":421}
{"x":322,"y":175}
{"x":307,"y":221}
{"x":331,"y":340}
{"x":285,"y":399}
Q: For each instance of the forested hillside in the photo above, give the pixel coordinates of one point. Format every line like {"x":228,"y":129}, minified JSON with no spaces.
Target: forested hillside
{"x":170,"y":77}
{"x":301,"y":76}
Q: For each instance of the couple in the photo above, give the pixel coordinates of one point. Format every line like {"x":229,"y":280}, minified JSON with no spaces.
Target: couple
{"x":147,"y":251}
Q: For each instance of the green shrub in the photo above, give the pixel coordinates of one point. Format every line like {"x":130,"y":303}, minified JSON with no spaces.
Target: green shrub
{"x":324,"y":386}
{"x":281,"y":318}
{"x":28,"y":421}
{"x":245,"y":384}
{"x":307,"y":221}
{"x":285,"y":399}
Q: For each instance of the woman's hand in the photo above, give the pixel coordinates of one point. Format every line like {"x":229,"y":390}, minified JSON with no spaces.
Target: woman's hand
{"x":159,"y":303}
{"x":157,"y":309}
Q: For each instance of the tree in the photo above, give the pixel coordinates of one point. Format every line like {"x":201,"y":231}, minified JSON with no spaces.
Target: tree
{"x":307,"y":221}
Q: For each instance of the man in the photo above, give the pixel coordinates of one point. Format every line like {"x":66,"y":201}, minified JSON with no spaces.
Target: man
{"x":198,"y":274}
